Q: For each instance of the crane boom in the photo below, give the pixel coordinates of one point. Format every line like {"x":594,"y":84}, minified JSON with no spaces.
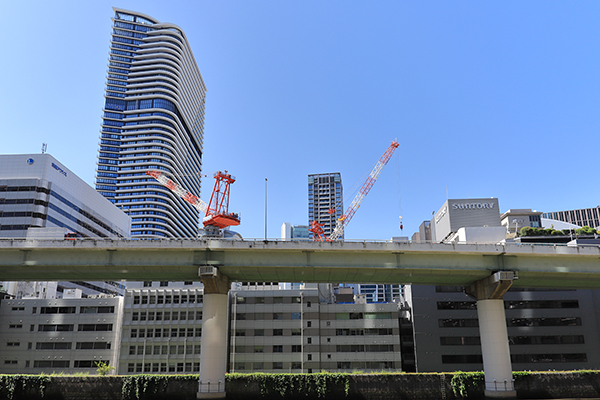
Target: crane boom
{"x":199,"y":204}
{"x":362,"y":193}
{"x":217,"y":211}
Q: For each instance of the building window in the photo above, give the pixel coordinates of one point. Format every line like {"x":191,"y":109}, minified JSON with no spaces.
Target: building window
{"x":278,"y":365}
{"x":259,"y":332}
{"x":147,"y":283}
{"x":278,"y":349}
{"x":296,"y":315}
{"x":296,"y":348}
{"x":277,"y":332}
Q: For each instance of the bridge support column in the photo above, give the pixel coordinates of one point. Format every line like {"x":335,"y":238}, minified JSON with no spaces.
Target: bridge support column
{"x":497,"y":367}
{"x":213,"y":357}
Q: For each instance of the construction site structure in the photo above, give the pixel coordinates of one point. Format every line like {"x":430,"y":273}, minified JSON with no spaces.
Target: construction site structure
{"x":317,"y":229}
{"x":217,"y":215}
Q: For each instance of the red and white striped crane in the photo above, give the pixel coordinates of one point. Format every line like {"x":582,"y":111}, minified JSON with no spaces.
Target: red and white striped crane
{"x":338,"y":231}
{"x":217,"y":210}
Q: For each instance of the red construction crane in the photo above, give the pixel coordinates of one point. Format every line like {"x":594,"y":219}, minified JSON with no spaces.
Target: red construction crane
{"x":217,"y":210}
{"x":316,"y":228}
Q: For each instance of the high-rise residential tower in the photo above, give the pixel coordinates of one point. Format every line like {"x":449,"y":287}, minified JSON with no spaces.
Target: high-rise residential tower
{"x":325,"y":192}
{"x":153,"y":120}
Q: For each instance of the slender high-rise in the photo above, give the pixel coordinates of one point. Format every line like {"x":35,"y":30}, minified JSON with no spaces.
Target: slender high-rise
{"x":153,"y":120}
{"x":325,"y":192}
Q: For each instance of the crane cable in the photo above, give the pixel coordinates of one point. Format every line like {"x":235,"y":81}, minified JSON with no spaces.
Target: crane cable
{"x":398,"y":184}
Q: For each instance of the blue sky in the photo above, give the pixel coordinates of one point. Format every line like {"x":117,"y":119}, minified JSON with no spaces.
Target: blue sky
{"x":487,"y":99}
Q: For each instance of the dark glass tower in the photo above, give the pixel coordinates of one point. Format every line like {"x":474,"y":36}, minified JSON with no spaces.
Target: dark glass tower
{"x":153,"y":120}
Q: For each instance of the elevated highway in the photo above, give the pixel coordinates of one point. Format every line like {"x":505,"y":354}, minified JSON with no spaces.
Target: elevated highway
{"x":556,"y":266}
{"x":486,"y":271}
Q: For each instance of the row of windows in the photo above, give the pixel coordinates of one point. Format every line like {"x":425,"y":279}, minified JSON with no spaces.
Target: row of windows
{"x":273,"y":300}
{"x":86,"y":215}
{"x":69,"y":345}
{"x":510,"y":304}
{"x":17,"y":214}
{"x":164,"y":350}
{"x":296,"y":348}
{"x":262,"y":316}
{"x":362,"y":348}
{"x":513,"y":340}
{"x":510,"y":322}
{"x":69,"y":327}
{"x":166,"y":332}
{"x":73,"y":310}
{"x":162,"y":367}
{"x":364,"y":332}
{"x":517,"y":358}
{"x":166,"y":315}
{"x":366,"y":315}
{"x":169,"y":299}
{"x":37,"y":189}
{"x":274,"y":332}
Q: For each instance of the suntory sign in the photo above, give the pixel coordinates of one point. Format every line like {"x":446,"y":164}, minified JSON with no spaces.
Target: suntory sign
{"x":472,"y":206}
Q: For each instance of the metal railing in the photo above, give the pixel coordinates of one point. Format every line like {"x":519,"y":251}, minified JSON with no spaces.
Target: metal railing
{"x":211,"y":387}
{"x":502,"y":386}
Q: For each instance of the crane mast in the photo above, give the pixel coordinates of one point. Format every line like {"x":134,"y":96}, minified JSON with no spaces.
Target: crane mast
{"x":341,"y":223}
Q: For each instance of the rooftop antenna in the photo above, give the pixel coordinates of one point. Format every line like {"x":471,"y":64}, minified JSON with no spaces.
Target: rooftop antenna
{"x":44,"y":147}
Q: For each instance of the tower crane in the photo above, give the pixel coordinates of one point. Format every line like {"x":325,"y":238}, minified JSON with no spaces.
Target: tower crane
{"x":338,"y":231}
{"x":217,"y":215}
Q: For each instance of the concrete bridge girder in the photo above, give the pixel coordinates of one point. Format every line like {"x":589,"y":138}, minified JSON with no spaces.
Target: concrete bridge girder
{"x":386,"y":262}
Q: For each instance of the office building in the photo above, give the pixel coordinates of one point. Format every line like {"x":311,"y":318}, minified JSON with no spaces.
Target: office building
{"x":68,"y":335}
{"x":295,"y":331}
{"x":294,"y":232}
{"x":157,"y":328}
{"x":162,"y":328}
{"x":547,"y":328}
{"x":40,"y":198}
{"x":325,"y":193}
{"x":37,"y":191}
{"x":375,"y":293}
{"x":516,"y":219}
{"x":582,"y":217}
{"x":153,"y":120}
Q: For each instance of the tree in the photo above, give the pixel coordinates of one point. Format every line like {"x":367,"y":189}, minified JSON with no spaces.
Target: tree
{"x":103,"y":368}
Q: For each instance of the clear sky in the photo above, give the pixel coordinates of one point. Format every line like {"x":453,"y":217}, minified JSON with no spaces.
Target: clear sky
{"x":487,"y":99}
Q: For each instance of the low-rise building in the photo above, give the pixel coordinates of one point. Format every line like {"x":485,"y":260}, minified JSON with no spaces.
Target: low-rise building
{"x":59,"y":335}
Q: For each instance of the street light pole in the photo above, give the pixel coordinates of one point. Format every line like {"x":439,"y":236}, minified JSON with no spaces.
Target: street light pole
{"x":265,"y":208}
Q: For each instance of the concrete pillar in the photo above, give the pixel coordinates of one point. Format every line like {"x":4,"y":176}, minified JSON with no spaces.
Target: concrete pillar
{"x":213,"y":357}
{"x":494,"y":334}
{"x":495,"y":350}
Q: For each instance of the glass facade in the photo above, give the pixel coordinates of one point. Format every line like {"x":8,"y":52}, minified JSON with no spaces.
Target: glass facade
{"x":153,"y":119}
{"x":582,"y":217}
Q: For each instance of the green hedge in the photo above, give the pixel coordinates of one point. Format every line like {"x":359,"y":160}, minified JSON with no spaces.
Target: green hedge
{"x":23,"y":386}
{"x":290,"y":386}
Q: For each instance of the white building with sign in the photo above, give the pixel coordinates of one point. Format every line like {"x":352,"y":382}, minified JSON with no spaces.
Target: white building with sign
{"x":459,"y":213}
